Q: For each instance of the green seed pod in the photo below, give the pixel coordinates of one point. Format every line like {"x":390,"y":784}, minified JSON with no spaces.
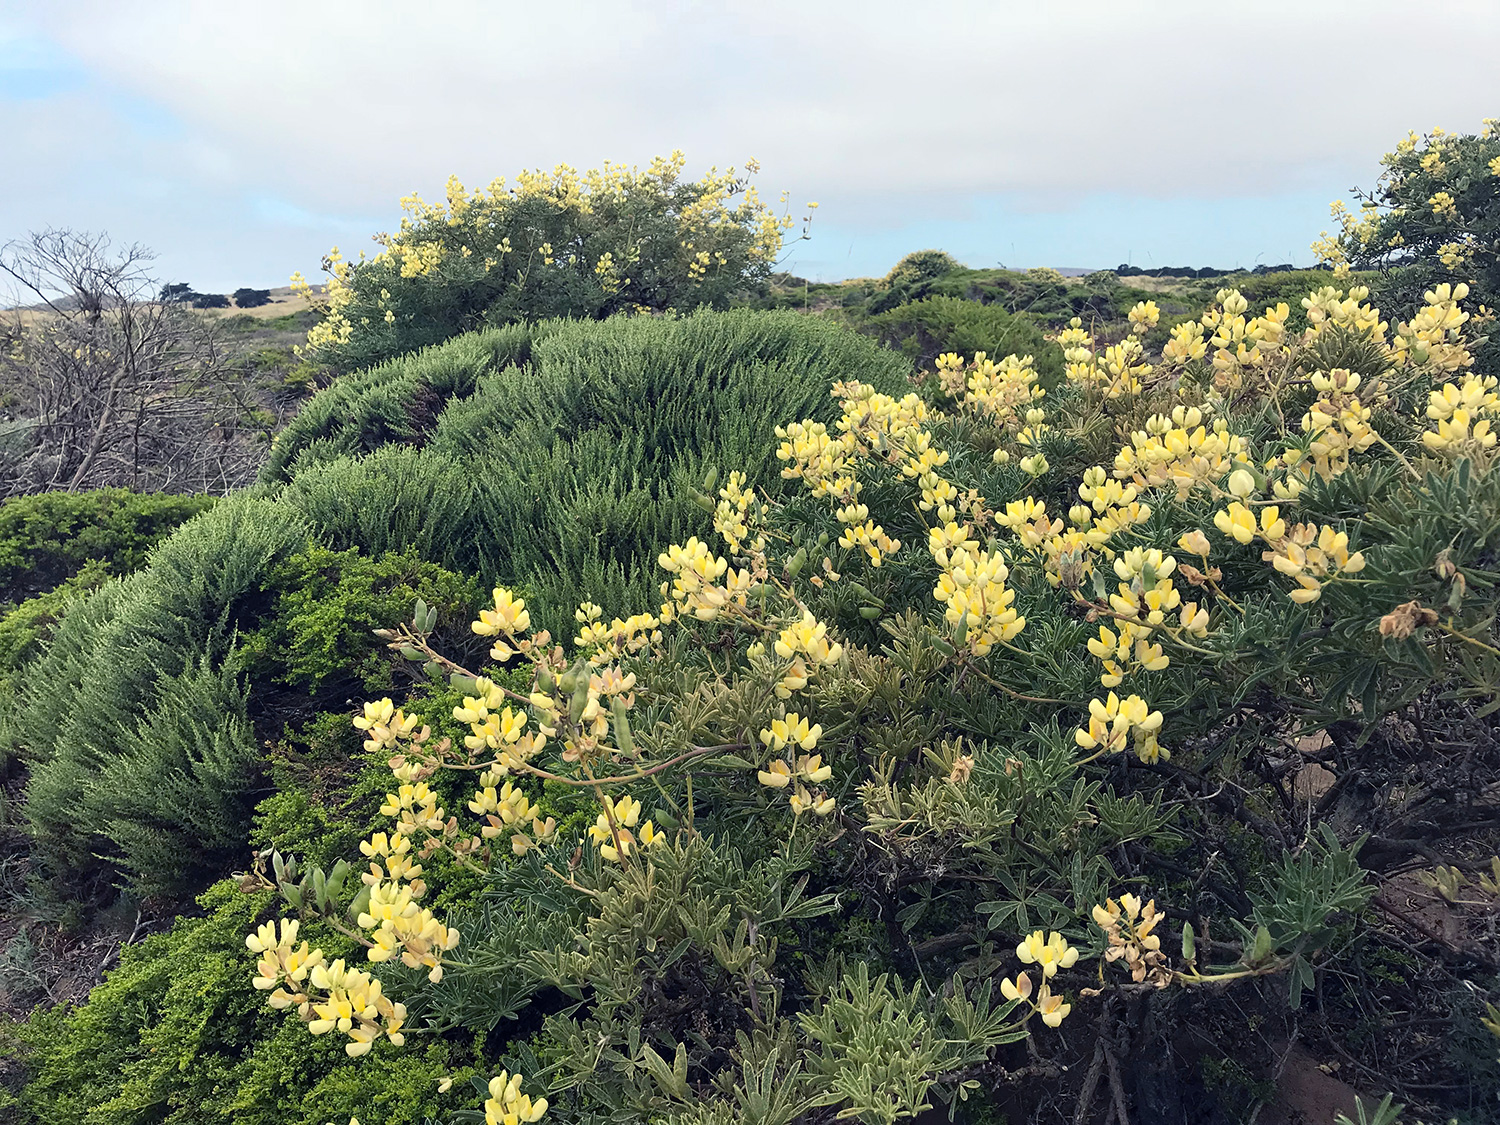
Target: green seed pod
{"x":419,"y":617}
{"x":711,"y":478}
{"x":823,"y":539}
{"x":431,"y":622}
{"x":624,"y":739}
{"x":576,"y":705}
{"x":869,"y":612}
{"x":1189,"y":948}
{"x":567,"y":683}
{"x":942,"y":645}
{"x":545,"y":679}
{"x":961,"y":634}
{"x":411,"y":653}
{"x":434,"y":671}
{"x":705,"y":502}
{"x":459,"y":682}
{"x":799,"y":560}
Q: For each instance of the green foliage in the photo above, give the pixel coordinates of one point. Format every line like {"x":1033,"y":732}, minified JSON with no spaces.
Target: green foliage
{"x":394,"y":402}
{"x":925,"y":329}
{"x":48,"y":538}
{"x":327,"y":604}
{"x":568,"y":470}
{"x":177,"y":1035}
{"x":146,"y":658}
{"x":559,"y":245}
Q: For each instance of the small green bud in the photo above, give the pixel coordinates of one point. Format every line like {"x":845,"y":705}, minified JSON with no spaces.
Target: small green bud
{"x":545,"y":679}
{"x":711,"y":478}
{"x":1189,"y":948}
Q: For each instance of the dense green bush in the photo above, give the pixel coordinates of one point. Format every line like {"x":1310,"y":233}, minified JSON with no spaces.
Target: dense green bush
{"x":326,"y":605}
{"x":925,"y":329}
{"x":47,"y":538}
{"x":177,"y":1036}
{"x":136,"y":680}
{"x":396,"y":401}
{"x":554,"y":245}
{"x":568,"y":464}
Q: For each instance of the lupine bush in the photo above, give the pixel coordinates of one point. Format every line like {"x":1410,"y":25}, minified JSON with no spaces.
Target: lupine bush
{"x":1000,"y":723}
{"x":558,"y":244}
{"x":1433,"y":217}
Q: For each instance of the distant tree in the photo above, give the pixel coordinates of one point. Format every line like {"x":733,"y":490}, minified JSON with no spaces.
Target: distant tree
{"x":210,"y":301}
{"x":176,"y":291}
{"x":116,"y":382}
{"x":252,"y":298}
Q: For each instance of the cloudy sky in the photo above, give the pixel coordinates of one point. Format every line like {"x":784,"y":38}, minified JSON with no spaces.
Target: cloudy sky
{"x":242,"y":141}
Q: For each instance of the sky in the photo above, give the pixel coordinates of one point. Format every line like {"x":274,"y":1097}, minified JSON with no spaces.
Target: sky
{"x":242,"y":142}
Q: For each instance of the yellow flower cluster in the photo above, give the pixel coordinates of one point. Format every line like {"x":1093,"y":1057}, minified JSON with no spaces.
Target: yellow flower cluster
{"x":612,"y":834}
{"x":733,"y":514}
{"x":864,"y":533}
{"x":1462,"y":414}
{"x":698,"y":590}
{"x":1119,"y":370}
{"x":794,"y":731}
{"x":979,"y":605}
{"x":1433,"y":339}
{"x":805,"y":643}
{"x":1128,"y":927}
{"x":507,"y":620}
{"x":1114,"y":723}
{"x":1049,"y":954}
{"x":384,"y":724}
{"x":1002,"y":392}
{"x":606,"y":643}
{"x":1337,"y":424}
{"x":1305,"y":552}
{"x":327,"y":996}
{"x":507,"y":1105}
{"x":1180,"y":452}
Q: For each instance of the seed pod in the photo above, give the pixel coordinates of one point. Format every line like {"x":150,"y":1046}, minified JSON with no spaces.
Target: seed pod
{"x":545,"y":680}
{"x":623,"y":737}
{"x":869,"y":612}
{"x":460,"y":682}
{"x":411,"y":653}
{"x":942,"y":645}
{"x":434,"y":671}
{"x":823,"y":539}
{"x":799,"y":560}
{"x":419,"y":618}
{"x":576,"y":705}
{"x":711,"y":477}
{"x":1189,"y":949}
{"x":705,"y":502}
{"x":567,"y":683}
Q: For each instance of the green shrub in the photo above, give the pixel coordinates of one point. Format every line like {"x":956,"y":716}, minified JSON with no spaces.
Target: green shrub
{"x":47,"y":538}
{"x":327,"y":603}
{"x":568,"y":471}
{"x":177,"y":1036}
{"x":925,"y":329}
{"x":138,"y":660}
{"x":395,"y":401}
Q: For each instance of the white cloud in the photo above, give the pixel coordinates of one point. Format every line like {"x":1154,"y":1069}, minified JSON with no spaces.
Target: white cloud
{"x":880,"y":110}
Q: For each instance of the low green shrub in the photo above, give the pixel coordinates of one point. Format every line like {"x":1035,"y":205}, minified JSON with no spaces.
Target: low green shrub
{"x":176,"y":1035}
{"x":138,"y":661}
{"x":925,"y":329}
{"x":326,"y":605}
{"x":48,"y":538}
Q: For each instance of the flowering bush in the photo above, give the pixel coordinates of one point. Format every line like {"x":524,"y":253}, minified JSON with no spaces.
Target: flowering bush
{"x":553,"y":244}
{"x":1015,"y":683}
{"x":1433,"y":217}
